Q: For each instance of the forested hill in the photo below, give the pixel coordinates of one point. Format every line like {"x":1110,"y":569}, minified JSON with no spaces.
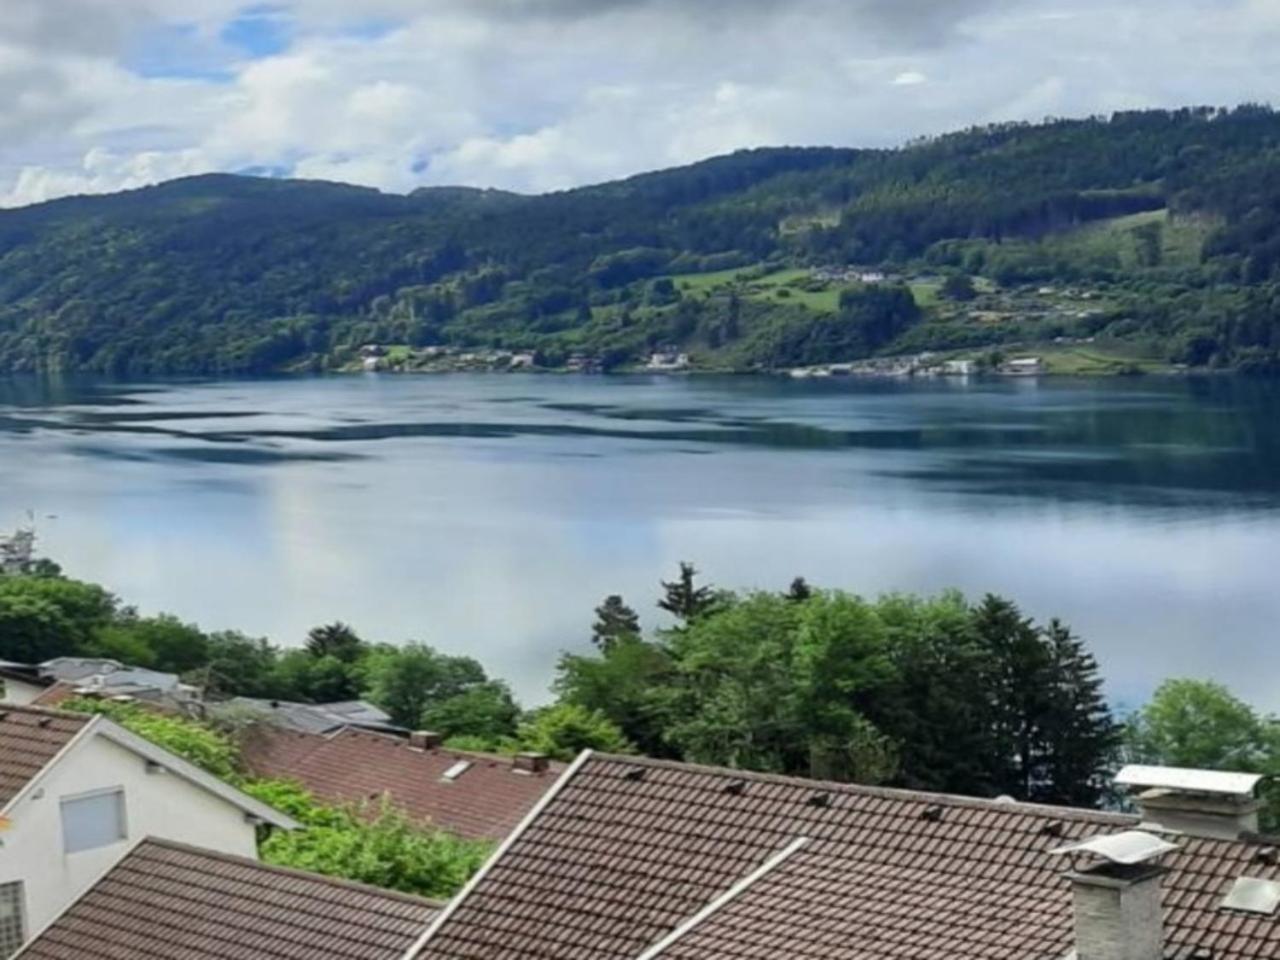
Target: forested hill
{"x":1155,"y":233}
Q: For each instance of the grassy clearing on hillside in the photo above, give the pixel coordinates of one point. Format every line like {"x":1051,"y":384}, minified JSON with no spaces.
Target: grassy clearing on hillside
{"x":1181,"y":238}
{"x":1095,"y":360}
{"x":790,"y":286}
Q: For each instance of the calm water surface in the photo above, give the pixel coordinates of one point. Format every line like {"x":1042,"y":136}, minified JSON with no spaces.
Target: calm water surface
{"x":488,"y":515}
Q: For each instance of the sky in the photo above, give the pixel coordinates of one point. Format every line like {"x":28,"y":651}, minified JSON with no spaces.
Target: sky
{"x":537,"y":95}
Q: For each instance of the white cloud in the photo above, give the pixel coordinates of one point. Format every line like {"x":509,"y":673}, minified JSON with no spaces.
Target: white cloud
{"x":542,"y":94}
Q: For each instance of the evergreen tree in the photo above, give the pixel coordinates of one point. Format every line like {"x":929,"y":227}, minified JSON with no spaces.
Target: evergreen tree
{"x":1081,"y":738}
{"x":799,"y":591}
{"x":684,"y":599}
{"x":614,"y":620}
{"x":335,"y":640}
{"x":1018,"y":692}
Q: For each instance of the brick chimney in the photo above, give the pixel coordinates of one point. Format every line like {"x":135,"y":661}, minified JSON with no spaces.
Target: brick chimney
{"x":1198,"y":803}
{"x":531,"y":763}
{"x":425,"y":740}
{"x":1116,"y":899}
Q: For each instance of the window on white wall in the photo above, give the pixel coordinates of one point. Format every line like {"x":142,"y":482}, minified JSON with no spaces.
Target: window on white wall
{"x":11,"y":919}
{"x":93,"y":820}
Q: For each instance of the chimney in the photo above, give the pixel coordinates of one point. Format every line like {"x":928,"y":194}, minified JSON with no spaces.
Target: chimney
{"x":531,"y":763}
{"x":1116,"y":898}
{"x":1198,"y":803}
{"x":425,"y":740}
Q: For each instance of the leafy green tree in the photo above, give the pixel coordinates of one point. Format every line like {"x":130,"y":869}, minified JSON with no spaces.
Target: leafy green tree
{"x":163,"y":643}
{"x":44,"y":617}
{"x":408,"y":680}
{"x":302,"y":675}
{"x":1200,"y":724}
{"x":771,"y":684}
{"x":631,"y":681}
{"x":486,"y":711}
{"x":936,"y":706}
{"x":378,"y":846}
{"x":564,"y":730}
{"x":684,"y":599}
{"x":206,"y":748}
{"x":614,"y":621}
{"x":335,"y":640}
{"x":239,"y":666}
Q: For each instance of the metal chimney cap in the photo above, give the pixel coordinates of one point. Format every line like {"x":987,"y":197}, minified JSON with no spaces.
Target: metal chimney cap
{"x":1183,"y":780}
{"x":1127,"y":849}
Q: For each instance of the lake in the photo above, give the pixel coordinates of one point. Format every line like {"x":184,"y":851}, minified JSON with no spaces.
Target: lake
{"x":489,"y":514}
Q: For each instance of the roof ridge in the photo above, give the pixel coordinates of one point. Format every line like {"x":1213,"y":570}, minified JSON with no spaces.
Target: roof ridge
{"x":402,"y":743}
{"x":340,"y":882}
{"x":45,"y":711}
{"x":888,"y":793}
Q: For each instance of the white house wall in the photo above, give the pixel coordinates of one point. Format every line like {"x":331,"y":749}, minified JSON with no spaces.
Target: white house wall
{"x":157,"y":804}
{"x":18,"y":693}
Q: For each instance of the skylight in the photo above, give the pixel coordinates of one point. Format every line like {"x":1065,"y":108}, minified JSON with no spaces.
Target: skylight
{"x":1253,"y":896}
{"x":457,"y":770}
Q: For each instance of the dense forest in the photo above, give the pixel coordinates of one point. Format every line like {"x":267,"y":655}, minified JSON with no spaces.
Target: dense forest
{"x":1155,"y":231}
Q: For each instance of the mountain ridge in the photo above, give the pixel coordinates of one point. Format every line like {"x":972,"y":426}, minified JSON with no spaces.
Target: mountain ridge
{"x":231,"y":273}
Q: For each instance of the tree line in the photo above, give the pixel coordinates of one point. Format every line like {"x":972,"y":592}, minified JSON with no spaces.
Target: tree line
{"x":933,"y":693}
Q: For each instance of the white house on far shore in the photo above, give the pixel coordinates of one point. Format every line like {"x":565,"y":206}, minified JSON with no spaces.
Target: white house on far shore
{"x":78,"y":791}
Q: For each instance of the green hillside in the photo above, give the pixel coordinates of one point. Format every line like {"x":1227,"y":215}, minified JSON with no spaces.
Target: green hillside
{"x":1156,"y":233}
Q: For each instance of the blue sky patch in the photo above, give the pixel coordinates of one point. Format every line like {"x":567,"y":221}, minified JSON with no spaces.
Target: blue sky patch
{"x":261,"y":31}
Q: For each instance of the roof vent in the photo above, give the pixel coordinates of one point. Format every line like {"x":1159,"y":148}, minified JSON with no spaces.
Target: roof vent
{"x":1199,"y":803}
{"x":736,"y":789}
{"x":44,"y":721}
{"x":531,"y":763}
{"x":425,"y":740}
{"x":635,"y":776}
{"x":457,"y":770}
{"x":1054,"y":829}
{"x":820,"y":800}
{"x":1251,"y":895}
{"x":1268,"y":855}
{"x":931,"y":814}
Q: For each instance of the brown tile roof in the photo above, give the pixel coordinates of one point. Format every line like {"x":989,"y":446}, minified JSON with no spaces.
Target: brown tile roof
{"x":29,"y":738}
{"x":629,"y":849}
{"x":57,"y":694}
{"x":166,"y":900}
{"x":485,"y":803}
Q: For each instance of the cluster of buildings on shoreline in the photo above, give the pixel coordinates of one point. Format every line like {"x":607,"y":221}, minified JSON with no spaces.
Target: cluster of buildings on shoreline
{"x":923,"y":365}
{"x":113,"y":848}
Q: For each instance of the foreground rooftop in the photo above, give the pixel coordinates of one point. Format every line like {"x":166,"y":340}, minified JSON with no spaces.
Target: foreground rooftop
{"x":166,"y":900}
{"x":632,"y":859}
